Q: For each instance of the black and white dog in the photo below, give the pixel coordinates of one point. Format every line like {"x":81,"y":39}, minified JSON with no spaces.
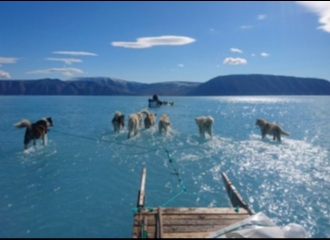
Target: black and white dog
{"x":118,"y":121}
{"x":35,"y":130}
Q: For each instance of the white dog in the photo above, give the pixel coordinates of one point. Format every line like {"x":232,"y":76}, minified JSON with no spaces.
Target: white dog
{"x":139,"y":115}
{"x":133,"y":124}
{"x":205,"y":124}
{"x":164,"y":123}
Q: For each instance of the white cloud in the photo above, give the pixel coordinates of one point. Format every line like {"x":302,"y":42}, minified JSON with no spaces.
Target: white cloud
{"x":7,"y":60}
{"x":75,"y":53}
{"x":235,"y":61}
{"x":246,"y":27}
{"x":263,"y":54}
{"x":261,"y":17}
{"x":63,"y":71}
{"x":180,"y":65}
{"x":147,"y":42}
{"x":4,"y":74}
{"x":322,"y":9}
{"x":253,"y":55}
{"x":236,"y":50}
{"x":65,"y":60}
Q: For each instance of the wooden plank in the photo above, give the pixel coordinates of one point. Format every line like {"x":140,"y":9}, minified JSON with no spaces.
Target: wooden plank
{"x":167,"y":211}
{"x":189,"y":222}
{"x":187,"y":235}
{"x":145,"y":223}
{"x":193,"y":229}
{"x":160,"y":223}
{"x":152,"y":230}
{"x":219,"y":217}
{"x":234,"y":196}
{"x":141,"y":194}
{"x":145,"y":226}
{"x":140,"y":223}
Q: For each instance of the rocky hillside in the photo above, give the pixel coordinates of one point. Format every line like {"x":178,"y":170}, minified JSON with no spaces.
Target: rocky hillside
{"x":253,"y":84}
{"x":257,"y":84}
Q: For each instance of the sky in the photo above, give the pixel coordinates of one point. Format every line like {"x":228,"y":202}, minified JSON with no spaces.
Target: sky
{"x":161,"y":41}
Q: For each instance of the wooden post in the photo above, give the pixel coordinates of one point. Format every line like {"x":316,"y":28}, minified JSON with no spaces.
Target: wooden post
{"x":141,"y":195}
{"x":234,"y":196}
{"x":159,"y":225}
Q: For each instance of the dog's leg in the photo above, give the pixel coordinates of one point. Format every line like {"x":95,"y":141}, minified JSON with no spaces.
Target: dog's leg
{"x":263,"y":133}
{"x":136,"y":131}
{"x":129,"y":131}
{"x":200,"y":130}
{"x":26,"y":139}
{"x":209,"y":130}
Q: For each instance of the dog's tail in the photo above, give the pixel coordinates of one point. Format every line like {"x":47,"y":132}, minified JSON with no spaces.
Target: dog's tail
{"x":23,"y":123}
{"x":146,"y":112}
{"x":285,"y":133}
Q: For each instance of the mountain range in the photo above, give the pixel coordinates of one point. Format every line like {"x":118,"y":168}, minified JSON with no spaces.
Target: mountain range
{"x":229,"y":85}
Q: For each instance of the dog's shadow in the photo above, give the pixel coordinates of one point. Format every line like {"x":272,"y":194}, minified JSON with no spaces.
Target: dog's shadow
{"x":110,"y":135}
{"x":267,"y":139}
{"x":270,"y":141}
{"x":196,"y":139}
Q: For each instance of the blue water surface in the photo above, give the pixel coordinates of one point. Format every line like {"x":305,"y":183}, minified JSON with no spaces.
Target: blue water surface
{"x":85,"y":181}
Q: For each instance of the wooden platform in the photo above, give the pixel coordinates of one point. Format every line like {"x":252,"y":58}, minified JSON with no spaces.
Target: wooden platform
{"x":186,"y":222}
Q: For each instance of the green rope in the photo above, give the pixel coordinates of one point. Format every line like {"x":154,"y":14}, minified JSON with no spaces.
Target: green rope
{"x":183,"y":188}
{"x":101,"y":140}
{"x":173,"y":198}
{"x":237,"y":209}
{"x":170,"y":160}
{"x":144,"y":234}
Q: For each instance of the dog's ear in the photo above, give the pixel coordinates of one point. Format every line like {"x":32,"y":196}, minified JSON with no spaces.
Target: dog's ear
{"x":49,"y":119}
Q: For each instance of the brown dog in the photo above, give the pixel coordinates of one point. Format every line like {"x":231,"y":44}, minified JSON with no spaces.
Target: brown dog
{"x":150,"y":118}
{"x":271,"y":129}
{"x":35,"y":130}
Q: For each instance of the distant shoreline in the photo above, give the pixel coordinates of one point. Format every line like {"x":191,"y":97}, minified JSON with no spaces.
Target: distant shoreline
{"x":230,"y":85}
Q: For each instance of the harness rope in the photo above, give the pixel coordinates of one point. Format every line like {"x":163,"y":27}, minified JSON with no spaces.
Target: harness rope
{"x":170,"y":160}
{"x":144,"y":233}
